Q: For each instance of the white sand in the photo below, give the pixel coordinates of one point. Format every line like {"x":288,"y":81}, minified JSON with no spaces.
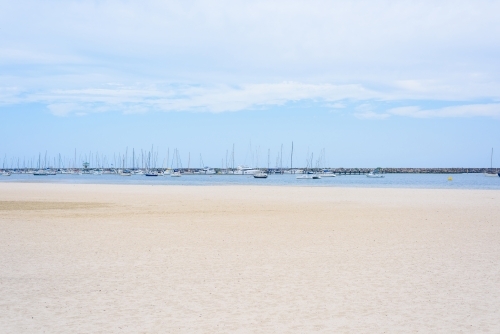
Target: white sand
{"x":116,"y":258}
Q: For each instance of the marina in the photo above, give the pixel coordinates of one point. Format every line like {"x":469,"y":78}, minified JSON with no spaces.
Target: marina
{"x":392,"y":180}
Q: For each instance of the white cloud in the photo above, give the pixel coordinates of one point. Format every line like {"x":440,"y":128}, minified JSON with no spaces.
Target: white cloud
{"x":231,"y":55}
{"x":470,"y":110}
{"x":220,"y":98}
{"x":365,"y":111}
{"x":63,"y":109}
{"x":336,"y":105}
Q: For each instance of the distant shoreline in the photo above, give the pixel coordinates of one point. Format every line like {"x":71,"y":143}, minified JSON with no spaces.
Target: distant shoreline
{"x":285,"y":170}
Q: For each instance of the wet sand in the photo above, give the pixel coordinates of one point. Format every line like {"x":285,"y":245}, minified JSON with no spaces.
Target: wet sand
{"x":127,"y":258}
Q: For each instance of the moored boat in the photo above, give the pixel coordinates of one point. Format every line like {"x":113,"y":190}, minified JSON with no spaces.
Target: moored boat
{"x":125,"y":172}
{"x":490,"y":172}
{"x":375,"y":173}
{"x":309,"y":176}
{"x":245,"y":170}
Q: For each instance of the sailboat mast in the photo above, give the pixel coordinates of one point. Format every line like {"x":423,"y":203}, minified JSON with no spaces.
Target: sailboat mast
{"x":268,"y":158}
{"x":281,"y":159}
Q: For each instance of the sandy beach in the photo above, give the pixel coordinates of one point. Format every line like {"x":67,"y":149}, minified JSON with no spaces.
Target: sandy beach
{"x":179,"y":259}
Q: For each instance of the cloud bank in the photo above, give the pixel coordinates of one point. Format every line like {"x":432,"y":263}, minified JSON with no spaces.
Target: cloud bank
{"x":80,"y":57}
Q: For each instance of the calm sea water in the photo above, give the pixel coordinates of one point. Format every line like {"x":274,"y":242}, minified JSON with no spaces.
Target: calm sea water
{"x":460,"y":181}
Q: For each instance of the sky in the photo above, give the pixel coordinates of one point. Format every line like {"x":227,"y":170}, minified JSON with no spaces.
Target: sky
{"x":350,"y":83}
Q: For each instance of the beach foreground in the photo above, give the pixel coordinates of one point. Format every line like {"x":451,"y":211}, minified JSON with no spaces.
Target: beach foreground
{"x":126,"y":258}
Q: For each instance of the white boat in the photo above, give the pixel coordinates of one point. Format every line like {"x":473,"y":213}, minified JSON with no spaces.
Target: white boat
{"x":375,"y":174}
{"x":260,"y":175}
{"x":309,"y":177}
{"x":124,"y":172}
{"x":151,"y":173}
{"x":176,"y":174}
{"x":245,"y":170}
{"x":208,"y":171}
{"x":40,"y":172}
{"x":6,"y":173}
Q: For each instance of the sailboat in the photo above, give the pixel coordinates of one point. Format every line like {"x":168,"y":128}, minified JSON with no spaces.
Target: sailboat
{"x":124,"y":172}
{"x":491,"y":172}
{"x":176,"y":173}
{"x":309,"y":175}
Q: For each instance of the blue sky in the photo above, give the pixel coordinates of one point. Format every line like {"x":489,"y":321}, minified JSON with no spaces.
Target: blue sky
{"x":358,"y":83}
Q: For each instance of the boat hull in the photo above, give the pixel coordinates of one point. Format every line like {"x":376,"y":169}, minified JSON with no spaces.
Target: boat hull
{"x":309,"y":177}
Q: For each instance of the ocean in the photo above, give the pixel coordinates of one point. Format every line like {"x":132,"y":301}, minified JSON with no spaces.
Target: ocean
{"x":438,"y":181}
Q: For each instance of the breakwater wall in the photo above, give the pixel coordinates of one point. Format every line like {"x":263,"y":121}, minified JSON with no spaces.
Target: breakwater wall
{"x":339,"y":171}
{"x":389,"y":170}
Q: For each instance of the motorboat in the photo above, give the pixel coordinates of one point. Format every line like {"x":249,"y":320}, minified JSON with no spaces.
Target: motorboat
{"x":375,"y":174}
{"x":5,"y":173}
{"x":245,"y":170}
{"x":40,"y":172}
{"x":125,"y":172}
{"x":309,"y":177}
{"x":260,"y":175}
{"x":151,"y":173}
{"x":208,"y":170}
{"x":176,"y":174}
